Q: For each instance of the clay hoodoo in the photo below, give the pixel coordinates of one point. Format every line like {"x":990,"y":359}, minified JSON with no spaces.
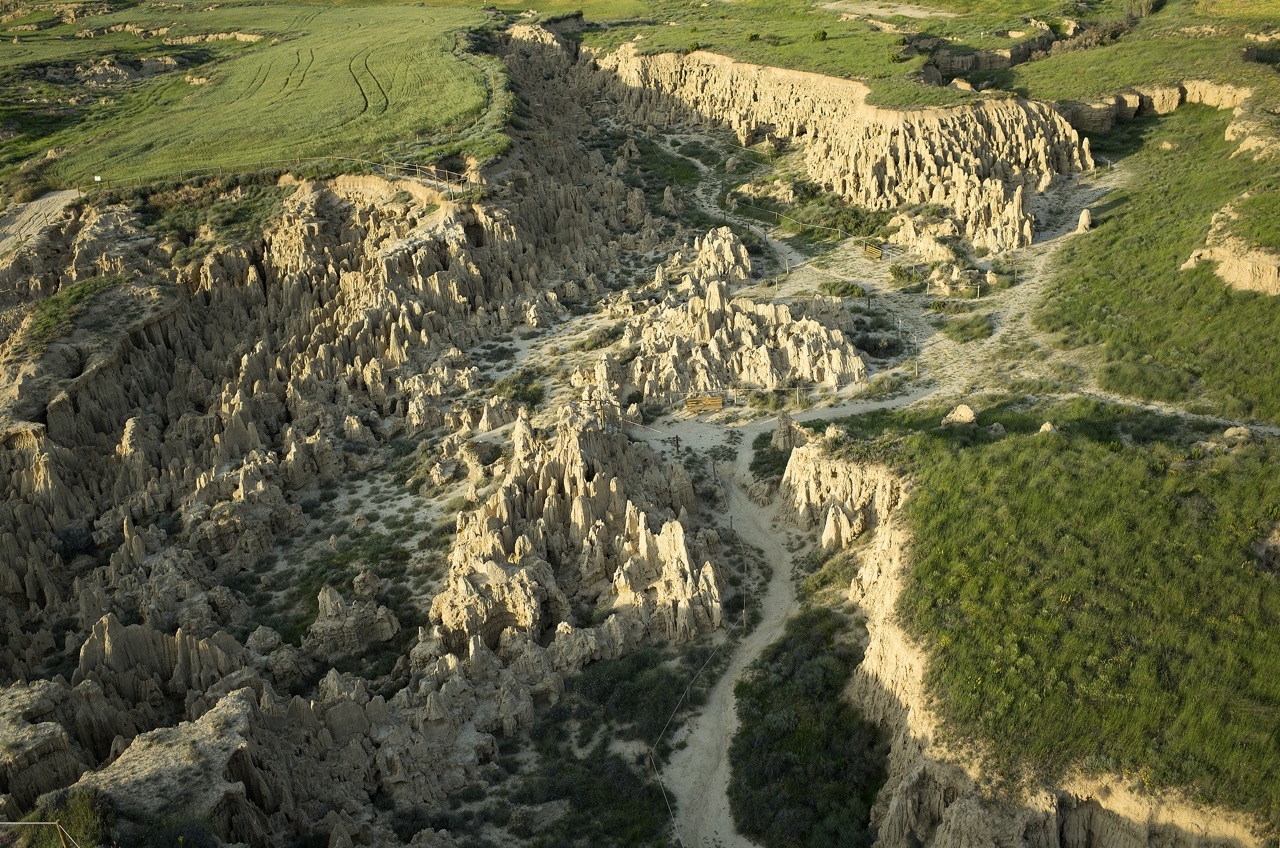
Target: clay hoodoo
{"x":979,"y":160}
{"x":149,"y":460}
{"x":588,"y":518}
{"x":700,"y":339}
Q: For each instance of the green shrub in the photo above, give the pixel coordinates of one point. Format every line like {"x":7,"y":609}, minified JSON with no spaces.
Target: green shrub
{"x":768,"y":462}
{"x":841,"y":288}
{"x":522,"y":387}
{"x":969,"y":328}
{"x":820,"y":35}
{"x":805,"y":767}
{"x":1140,"y":8}
{"x":87,"y":814}
{"x":599,"y":337}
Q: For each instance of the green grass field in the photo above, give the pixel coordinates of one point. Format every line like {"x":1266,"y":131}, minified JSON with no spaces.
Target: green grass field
{"x":1167,"y":334}
{"x":355,"y":80}
{"x":1093,"y":597}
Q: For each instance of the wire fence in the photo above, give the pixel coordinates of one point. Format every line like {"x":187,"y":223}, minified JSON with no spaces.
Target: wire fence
{"x":452,"y":183}
{"x":68,"y":841}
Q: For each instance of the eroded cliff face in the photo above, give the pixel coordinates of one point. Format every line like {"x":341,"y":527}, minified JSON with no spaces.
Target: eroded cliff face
{"x":980,"y":160}
{"x":1103,"y":115}
{"x":151,"y":458}
{"x":935,"y":795}
{"x":1238,"y":263}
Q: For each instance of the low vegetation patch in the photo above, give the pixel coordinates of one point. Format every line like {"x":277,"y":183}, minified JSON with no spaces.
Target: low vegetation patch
{"x":841,"y":288}
{"x":53,"y":317}
{"x":524,"y":386}
{"x":768,"y":462}
{"x":969,"y":328}
{"x":806,"y":766}
{"x":817,"y":215}
{"x":599,"y":337}
{"x":1168,"y":334}
{"x":1093,"y":597}
{"x":88,"y":815}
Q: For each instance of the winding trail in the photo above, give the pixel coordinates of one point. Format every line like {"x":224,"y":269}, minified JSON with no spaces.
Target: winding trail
{"x":698,"y":774}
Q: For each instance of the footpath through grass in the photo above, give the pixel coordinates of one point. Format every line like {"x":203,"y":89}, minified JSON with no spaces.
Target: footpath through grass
{"x":1167,"y":334}
{"x":1094,"y":597}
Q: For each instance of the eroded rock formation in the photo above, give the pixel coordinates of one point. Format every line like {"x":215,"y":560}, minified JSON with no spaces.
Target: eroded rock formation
{"x":978,"y":160}
{"x":586,"y":518}
{"x":700,"y":339}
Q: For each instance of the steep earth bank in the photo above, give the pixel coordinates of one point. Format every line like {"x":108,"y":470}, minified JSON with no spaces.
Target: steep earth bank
{"x":938,"y":793}
{"x":980,"y":161}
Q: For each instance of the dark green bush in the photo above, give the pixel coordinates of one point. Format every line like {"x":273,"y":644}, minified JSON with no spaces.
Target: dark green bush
{"x":805,"y":766}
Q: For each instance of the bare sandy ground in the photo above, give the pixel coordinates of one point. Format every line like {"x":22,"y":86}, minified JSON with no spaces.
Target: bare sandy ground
{"x":888,"y":10}
{"x":21,"y":221}
{"x":698,"y":774}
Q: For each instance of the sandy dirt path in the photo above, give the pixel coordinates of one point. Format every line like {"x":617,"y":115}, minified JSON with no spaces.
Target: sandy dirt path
{"x":698,"y":774}
{"x":23,"y":220}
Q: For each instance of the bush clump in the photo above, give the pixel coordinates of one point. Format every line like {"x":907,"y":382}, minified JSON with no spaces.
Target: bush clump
{"x":524,"y":386}
{"x":768,"y":462}
{"x":969,"y":328}
{"x":806,"y":766}
{"x":86,"y":814}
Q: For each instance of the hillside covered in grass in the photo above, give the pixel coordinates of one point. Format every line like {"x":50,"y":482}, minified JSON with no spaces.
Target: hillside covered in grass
{"x":152,"y":91}
{"x":1094,"y":597}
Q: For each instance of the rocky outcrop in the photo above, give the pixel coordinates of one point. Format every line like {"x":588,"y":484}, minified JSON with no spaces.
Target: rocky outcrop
{"x":952,"y":63}
{"x":345,"y":629}
{"x":935,"y":795}
{"x":1238,"y":264}
{"x":978,"y":160}
{"x":155,"y":453}
{"x":700,"y":339}
{"x":586,"y":518}
{"x":1254,"y":134}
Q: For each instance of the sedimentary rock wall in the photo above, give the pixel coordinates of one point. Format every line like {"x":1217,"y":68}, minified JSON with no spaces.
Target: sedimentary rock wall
{"x":978,"y":160}
{"x":1101,"y":116}
{"x":934,"y":795}
{"x":1239,"y":264}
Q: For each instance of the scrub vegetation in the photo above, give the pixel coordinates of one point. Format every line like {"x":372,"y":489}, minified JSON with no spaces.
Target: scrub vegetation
{"x":806,"y":767}
{"x":1094,"y":596}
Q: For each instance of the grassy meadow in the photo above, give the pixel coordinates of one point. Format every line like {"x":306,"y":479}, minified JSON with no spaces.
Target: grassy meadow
{"x":1166,"y":334}
{"x":1092,"y":597}
{"x":357,"y":80}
